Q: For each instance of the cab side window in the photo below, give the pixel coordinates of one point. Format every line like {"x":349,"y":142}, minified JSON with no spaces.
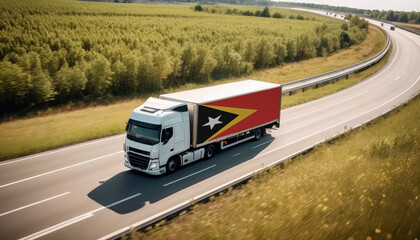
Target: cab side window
{"x":167,"y":134}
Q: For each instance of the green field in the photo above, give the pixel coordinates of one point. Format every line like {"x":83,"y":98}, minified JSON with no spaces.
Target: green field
{"x":60,"y":52}
{"x":364,"y":185}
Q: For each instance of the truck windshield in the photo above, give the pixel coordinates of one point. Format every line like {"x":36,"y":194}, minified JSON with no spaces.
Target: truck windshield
{"x":143,"y":132}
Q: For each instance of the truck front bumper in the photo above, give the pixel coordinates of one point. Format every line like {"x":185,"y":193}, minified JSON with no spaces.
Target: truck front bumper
{"x":159,"y":171}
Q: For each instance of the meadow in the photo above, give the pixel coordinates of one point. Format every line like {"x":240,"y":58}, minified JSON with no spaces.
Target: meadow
{"x":60,"y":52}
{"x":363,"y":185}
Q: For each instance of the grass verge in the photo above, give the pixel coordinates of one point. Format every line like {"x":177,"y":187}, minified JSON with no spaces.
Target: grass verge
{"x":364,"y":186}
{"x":57,"y":128}
{"x":410,"y":25}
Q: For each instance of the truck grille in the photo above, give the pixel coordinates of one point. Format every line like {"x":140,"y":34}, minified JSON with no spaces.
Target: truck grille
{"x":139,"y":151}
{"x":138,"y":161}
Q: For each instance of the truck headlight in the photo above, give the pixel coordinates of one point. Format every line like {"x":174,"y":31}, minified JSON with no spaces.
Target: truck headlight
{"x":154,"y":165}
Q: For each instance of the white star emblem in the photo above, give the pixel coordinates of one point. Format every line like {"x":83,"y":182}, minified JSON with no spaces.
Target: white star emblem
{"x":212,"y":122}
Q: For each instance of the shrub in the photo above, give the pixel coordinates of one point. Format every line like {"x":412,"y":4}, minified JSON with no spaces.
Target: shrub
{"x":265,"y":12}
{"x":248,"y":13}
{"x":198,"y":8}
{"x":277,"y":15}
{"x":345,"y":40}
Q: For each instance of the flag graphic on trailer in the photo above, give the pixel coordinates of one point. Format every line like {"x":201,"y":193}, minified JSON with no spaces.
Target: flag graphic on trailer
{"x":211,"y":120}
{"x":214,"y":120}
{"x":230,"y":116}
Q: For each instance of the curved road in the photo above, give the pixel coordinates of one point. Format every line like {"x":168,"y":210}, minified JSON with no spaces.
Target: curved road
{"x":85,"y":192}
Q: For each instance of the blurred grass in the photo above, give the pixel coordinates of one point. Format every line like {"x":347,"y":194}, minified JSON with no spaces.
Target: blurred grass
{"x":364,"y":185}
{"x":60,"y":127}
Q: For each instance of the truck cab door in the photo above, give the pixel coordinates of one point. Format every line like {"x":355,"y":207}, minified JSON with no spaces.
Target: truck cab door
{"x":167,"y":144}
{"x":179,"y":138}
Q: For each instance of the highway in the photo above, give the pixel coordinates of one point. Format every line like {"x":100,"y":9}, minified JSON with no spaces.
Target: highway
{"x":84,"y":191}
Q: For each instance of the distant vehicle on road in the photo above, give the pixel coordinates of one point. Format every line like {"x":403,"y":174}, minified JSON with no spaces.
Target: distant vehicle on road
{"x":392,"y":27}
{"x":177,"y":129}
{"x":382,"y":24}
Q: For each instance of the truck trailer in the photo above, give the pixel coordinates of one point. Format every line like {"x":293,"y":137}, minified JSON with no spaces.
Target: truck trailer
{"x":179,"y":128}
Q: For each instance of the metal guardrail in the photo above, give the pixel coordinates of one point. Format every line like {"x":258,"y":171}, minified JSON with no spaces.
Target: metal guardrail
{"x":325,"y":77}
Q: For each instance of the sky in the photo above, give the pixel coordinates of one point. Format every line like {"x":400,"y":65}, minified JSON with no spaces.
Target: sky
{"x":396,"y":5}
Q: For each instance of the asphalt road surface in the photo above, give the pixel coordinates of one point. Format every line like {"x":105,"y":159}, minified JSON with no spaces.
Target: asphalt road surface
{"x":84,"y":191}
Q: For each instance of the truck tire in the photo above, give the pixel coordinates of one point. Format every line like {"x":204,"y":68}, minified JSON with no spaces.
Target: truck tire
{"x":210,"y":151}
{"x":258,"y":134}
{"x":172,"y":165}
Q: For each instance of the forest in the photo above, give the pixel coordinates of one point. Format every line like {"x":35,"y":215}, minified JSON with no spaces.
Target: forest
{"x":63,"y":51}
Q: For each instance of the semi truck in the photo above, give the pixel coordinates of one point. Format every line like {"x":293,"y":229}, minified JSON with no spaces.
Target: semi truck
{"x":179,"y":128}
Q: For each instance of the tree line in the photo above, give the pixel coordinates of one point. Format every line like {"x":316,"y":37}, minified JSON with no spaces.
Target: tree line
{"x":395,"y":16}
{"x":257,"y":13}
{"x":48,"y":57}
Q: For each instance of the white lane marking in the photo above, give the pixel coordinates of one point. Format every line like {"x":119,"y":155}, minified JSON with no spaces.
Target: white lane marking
{"x":322,"y":108}
{"x":351,"y":88}
{"x":73,"y":220}
{"x":237,"y":154}
{"x":59,"y":150}
{"x":57,"y":170}
{"x":33,"y":204}
{"x":104,"y":180}
{"x":397,"y":78}
{"x":167,"y":184}
{"x":313,"y":134}
{"x":259,"y":145}
{"x":304,"y":125}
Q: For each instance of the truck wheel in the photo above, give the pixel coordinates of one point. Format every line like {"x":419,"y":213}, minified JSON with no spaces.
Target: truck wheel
{"x":210,"y":150}
{"x":172,"y":165}
{"x":258,"y":134}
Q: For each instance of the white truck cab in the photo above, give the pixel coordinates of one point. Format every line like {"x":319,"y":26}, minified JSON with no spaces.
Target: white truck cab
{"x":156,"y":131}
